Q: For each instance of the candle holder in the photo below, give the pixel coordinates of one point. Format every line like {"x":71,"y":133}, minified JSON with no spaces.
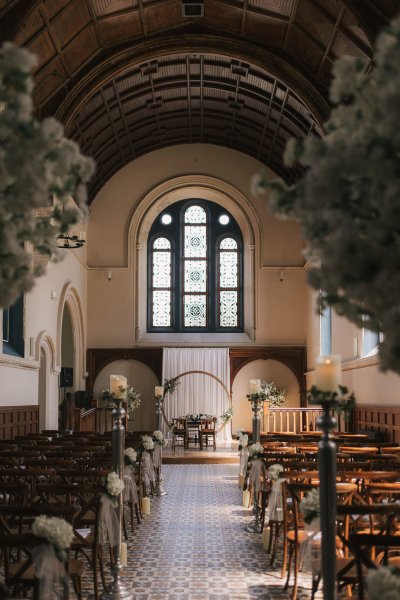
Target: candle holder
{"x":159,"y":487}
{"x":117,"y":590}
{"x":257,"y":470}
{"x":330,"y":402}
{"x":257,"y":406}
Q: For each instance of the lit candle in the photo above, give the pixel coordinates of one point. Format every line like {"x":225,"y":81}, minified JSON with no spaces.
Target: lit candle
{"x":328,"y":373}
{"x":265,"y":537}
{"x":158,"y":390}
{"x":254,"y":386}
{"x":124,"y":554}
{"x":146,"y":506}
{"x":116,"y":382}
{"x":246,"y":499}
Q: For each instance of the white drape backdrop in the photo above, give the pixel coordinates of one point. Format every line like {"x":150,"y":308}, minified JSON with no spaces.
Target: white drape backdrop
{"x":198,"y":393}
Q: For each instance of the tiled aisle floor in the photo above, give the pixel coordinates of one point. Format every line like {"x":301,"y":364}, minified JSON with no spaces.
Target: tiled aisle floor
{"x":194,"y":545}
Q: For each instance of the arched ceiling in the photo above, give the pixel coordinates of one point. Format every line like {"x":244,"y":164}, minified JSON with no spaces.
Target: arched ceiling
{"x":129,"y":76}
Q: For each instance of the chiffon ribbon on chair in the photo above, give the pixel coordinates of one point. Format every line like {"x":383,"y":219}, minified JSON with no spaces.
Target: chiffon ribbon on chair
{"x":257,"y":476}
{"x":130,"y":493}
{"x":275,"y":502}
{"x":310,"y":549}
{"x":148,"y":469}
{"x":53,"y":578}
{"x":109,"y":524}
{"x":244,"y":459}
{"x":157,"y":456}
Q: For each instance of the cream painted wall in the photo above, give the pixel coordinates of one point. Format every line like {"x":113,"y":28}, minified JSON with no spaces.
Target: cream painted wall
{"x":42,"y":319}
{"x":143,"y":379}
{"x":267,"y":370}
{"x":279,"y":307}
{"x":360,"y":375}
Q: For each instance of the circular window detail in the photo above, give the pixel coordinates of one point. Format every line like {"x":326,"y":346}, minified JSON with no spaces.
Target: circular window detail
{"x":195,"y":242}
{"x":223,"y":219}
{"x":195,"y":311}
{"x":195,"y":276}
{"x":166,"y":219}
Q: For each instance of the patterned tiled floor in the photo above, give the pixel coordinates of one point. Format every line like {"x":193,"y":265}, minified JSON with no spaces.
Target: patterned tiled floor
{"x":194,"y":545}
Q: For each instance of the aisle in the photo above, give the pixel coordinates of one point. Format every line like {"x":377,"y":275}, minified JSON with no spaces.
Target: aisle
{"x":194,"y":546}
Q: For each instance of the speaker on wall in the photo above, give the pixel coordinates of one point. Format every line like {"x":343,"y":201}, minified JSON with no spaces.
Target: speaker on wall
{"x":66,"y":377}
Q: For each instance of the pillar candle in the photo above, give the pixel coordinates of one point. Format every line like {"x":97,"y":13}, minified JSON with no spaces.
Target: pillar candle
{"x":124,"y":554}
{"x":146,"y":506}
{"x":328,"y":373}
{"x":254,"y":386}
{"x":117,"y":381}
{"x":246,"y":499}
{"x":265,"y":537}
{"x":158,"y":390}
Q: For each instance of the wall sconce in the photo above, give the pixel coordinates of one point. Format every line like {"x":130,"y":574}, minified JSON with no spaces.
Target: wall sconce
{"x":281,"y":276}
{"x":109,"y":276}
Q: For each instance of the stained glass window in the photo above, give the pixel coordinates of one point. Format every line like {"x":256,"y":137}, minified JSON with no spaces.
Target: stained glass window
{"x":228,"y":284}
{"x":195,"y":272}
{"x":161,"y":282}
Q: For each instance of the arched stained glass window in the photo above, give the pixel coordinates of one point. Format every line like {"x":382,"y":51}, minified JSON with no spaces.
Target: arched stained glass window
{"x":195,"y":269}
{"x":228,"y":282}
{"x":161,"y":279}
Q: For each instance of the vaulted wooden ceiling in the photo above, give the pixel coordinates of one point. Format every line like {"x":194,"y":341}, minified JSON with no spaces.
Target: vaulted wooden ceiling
{"x":129,"y":76}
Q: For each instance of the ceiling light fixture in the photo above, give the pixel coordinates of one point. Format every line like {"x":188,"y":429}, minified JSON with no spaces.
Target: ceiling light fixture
{"x":192,"y":8}
{"x":71,"y":241}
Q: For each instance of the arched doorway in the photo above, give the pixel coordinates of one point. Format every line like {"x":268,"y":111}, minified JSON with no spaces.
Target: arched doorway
{"x":67,"y":375}
{"x":42,"y":392}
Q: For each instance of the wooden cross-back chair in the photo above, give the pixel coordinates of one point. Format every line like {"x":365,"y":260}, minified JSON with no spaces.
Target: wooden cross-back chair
{"x":207,"y":433}
{"x":180,"y":433}
{"x":17,"y":548}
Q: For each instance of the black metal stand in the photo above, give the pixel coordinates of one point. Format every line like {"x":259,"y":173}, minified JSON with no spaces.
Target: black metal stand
{"x":256,"y":407}
{"x":327,"y":476}
{"x":117,"y":590}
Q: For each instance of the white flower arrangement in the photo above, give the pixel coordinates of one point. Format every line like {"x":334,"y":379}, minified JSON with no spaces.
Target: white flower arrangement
{"x":115,"y":486}
{"x":226,"y":417}
{"x":309,"y":505}
{"x":275,"y":395}
{"x":274,"y":472}
{"x":56,"y":531}
{"x":131,"y":454}
{"x":197,"y":416}
{"x":159,"y":438}
{"x":133,"y":397}
{"x":256,"y":450}
{"x":243,"y":441}
{"x":383,"y":583}
{"x":148,"y":442}
{"x":345,"y":207}
{"x":37,"y":164}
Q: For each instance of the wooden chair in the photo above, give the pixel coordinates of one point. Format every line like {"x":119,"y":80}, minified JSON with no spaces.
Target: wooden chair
{"x":180,"y":433}
{"x":17,"y":548}
{"x":207,"y":432}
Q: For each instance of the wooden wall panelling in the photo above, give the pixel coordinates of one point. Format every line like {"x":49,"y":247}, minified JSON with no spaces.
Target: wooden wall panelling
{"x":18,"y":420}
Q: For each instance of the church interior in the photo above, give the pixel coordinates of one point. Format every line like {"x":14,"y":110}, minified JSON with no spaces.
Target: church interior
{"x":179,"y":272}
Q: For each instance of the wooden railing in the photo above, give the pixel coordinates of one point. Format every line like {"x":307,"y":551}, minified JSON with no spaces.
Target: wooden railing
{"x":384,"y":419}
{"x":85,"y":420}
{"x":97,"y":420}
{"x":296,"y":420}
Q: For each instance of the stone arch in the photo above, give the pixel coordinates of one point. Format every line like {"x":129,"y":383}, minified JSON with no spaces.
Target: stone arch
{"x":45,"y":355}
{"x":70,"y":298}
{"x":201,"y":187}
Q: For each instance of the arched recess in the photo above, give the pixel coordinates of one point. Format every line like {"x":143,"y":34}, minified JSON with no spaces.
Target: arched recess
{"x":45,"y":355}
{"x":267,"y":370}
{"x":143,"y":378}
{"x":204,"y":188}
{"x":70,"y":297}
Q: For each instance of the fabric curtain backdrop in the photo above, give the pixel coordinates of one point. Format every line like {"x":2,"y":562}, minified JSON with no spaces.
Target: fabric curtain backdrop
{"x":198,"y":393}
